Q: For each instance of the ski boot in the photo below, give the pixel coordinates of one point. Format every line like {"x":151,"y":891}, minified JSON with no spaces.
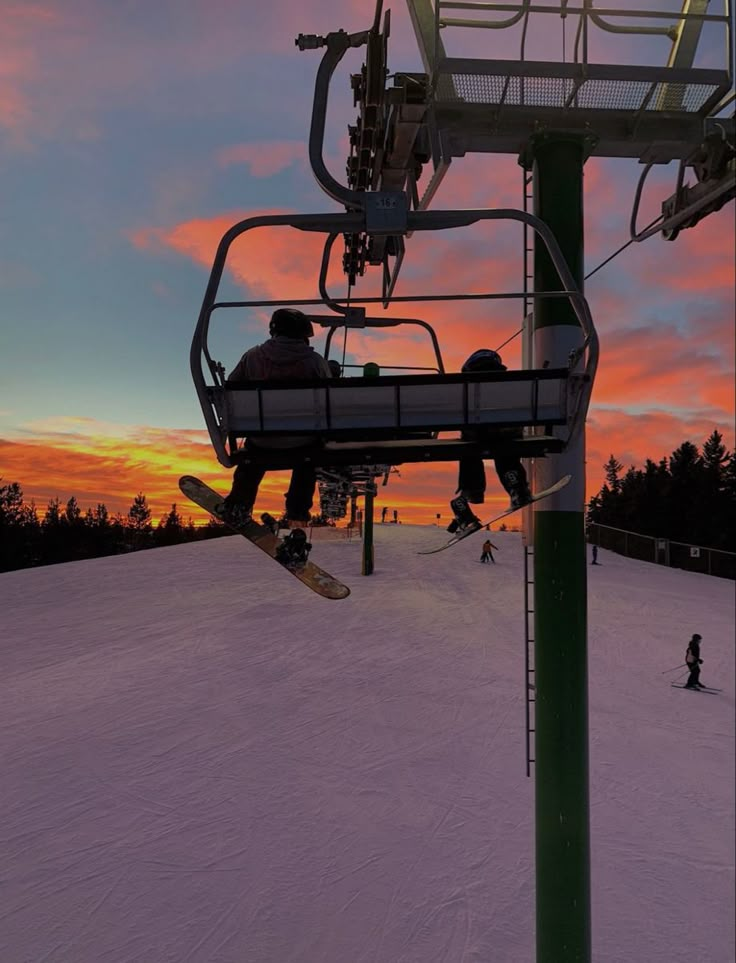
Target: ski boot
{"x":294,"y":550}
{"x":269,"y":522}
{"x":518,"y":489}
{"x":464,"y":520}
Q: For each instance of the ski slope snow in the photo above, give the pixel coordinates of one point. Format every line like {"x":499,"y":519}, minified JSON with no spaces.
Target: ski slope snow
{"x":203,"y":762}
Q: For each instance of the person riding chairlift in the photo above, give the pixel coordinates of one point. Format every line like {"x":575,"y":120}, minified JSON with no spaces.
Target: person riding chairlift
{"x":471,"y":483}
{"x":286,"y":356}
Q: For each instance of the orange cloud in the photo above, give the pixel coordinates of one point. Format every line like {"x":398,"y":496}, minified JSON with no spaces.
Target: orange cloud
{"x":98,"y":469}
{"x":274,"y":262}
{"x":111,"y":464}
{"x":664,"y":367}
{"x":633,"y":438}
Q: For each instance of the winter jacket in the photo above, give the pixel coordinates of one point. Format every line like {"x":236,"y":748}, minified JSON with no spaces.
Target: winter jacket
{"x":692,"y":656}
{"x":281,"y":359}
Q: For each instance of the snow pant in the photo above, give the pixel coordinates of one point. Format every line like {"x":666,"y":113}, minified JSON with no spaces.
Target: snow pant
{"x":299,"y":497}
{"x":694,"y":678}
{"x":471,"y":478}
{"x":488,"y":557}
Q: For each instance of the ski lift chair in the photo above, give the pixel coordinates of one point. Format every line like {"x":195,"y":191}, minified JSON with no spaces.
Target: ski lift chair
{"x":394,"y":418}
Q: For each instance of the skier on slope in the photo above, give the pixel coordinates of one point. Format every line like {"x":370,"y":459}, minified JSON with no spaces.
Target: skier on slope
{"x":471,"y":483}
{"x":693,"y":660}
{"x":487,"y":554}
{"x":285,"y":356}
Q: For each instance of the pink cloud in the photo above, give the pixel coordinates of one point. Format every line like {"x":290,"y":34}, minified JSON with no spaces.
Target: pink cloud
{"x":21,"y":64}
{"x":264,"y":159}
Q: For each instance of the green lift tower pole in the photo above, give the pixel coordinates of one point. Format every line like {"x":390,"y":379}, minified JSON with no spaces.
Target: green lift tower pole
{"x":560,"y":590}
{"x":367,"y":566}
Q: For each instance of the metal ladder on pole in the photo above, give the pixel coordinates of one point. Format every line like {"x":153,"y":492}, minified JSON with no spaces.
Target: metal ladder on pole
{"x":529,"y":678}
{"x":530,"y":683}
{"x":528,"y":250}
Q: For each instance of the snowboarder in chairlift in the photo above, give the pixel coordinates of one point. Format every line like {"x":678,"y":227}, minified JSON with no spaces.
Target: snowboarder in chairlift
{"x":287,"y":355}
{"x":471,"y":482}
{"x":693,"y":660}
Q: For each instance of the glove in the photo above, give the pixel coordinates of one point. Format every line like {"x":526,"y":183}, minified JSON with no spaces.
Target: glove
{"x":700,"y":661}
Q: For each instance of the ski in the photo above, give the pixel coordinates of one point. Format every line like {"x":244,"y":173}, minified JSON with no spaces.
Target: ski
{"x":307,"y":572}
{"x":509,"y":511}
{"x":705,"y":688}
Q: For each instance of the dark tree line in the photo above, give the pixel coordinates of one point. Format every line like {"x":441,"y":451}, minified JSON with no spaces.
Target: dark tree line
{"x":65,"y":533}
{"x":689,"y":497}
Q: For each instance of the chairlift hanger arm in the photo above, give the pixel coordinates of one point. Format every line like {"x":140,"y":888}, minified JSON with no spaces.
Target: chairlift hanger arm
{"x":714,"y":164}
{"x":337,"y":44}
{"x":323,"y":269}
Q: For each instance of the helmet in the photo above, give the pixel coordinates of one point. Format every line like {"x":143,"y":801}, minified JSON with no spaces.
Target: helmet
{"x":697,"y":638}
{"x":484,"y":360}
{"x":290,"y":323}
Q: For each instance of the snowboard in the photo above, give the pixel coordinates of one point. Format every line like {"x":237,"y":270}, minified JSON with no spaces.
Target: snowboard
{"x":310,"y":574}
{"x":509,"y":511}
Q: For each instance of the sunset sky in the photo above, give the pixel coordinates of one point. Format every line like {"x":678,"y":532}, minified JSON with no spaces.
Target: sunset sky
{"x":133,"y":134}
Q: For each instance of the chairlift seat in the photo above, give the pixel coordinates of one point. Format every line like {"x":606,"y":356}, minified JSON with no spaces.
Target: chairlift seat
{"x":391,"y":419}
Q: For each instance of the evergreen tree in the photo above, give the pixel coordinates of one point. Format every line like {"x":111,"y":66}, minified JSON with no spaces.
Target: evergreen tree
{"x":11,"y":504}
{"x":688,"y":498}
{"x":52,"y":518}
{"x":612,"y":468}
{"x":72,"y":512}
{"x":685,"y":508}
{"x":729,"y":478}
{"x":139,"y":523}
{"x":715,"y":458}
{"x":170,"y":530}
{"x":101,"y":515}
{"x":98,"y":534}
{"x":12,"y":522}
{"x":684,"y":461}
{"x":139,"y":514}
{"x":53,"y":547}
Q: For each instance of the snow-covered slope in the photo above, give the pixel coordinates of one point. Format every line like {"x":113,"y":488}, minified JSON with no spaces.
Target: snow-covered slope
{"x":203,"y":762}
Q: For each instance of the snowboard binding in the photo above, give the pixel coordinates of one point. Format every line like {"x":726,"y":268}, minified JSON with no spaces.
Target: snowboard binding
{"x":294,"y":551}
